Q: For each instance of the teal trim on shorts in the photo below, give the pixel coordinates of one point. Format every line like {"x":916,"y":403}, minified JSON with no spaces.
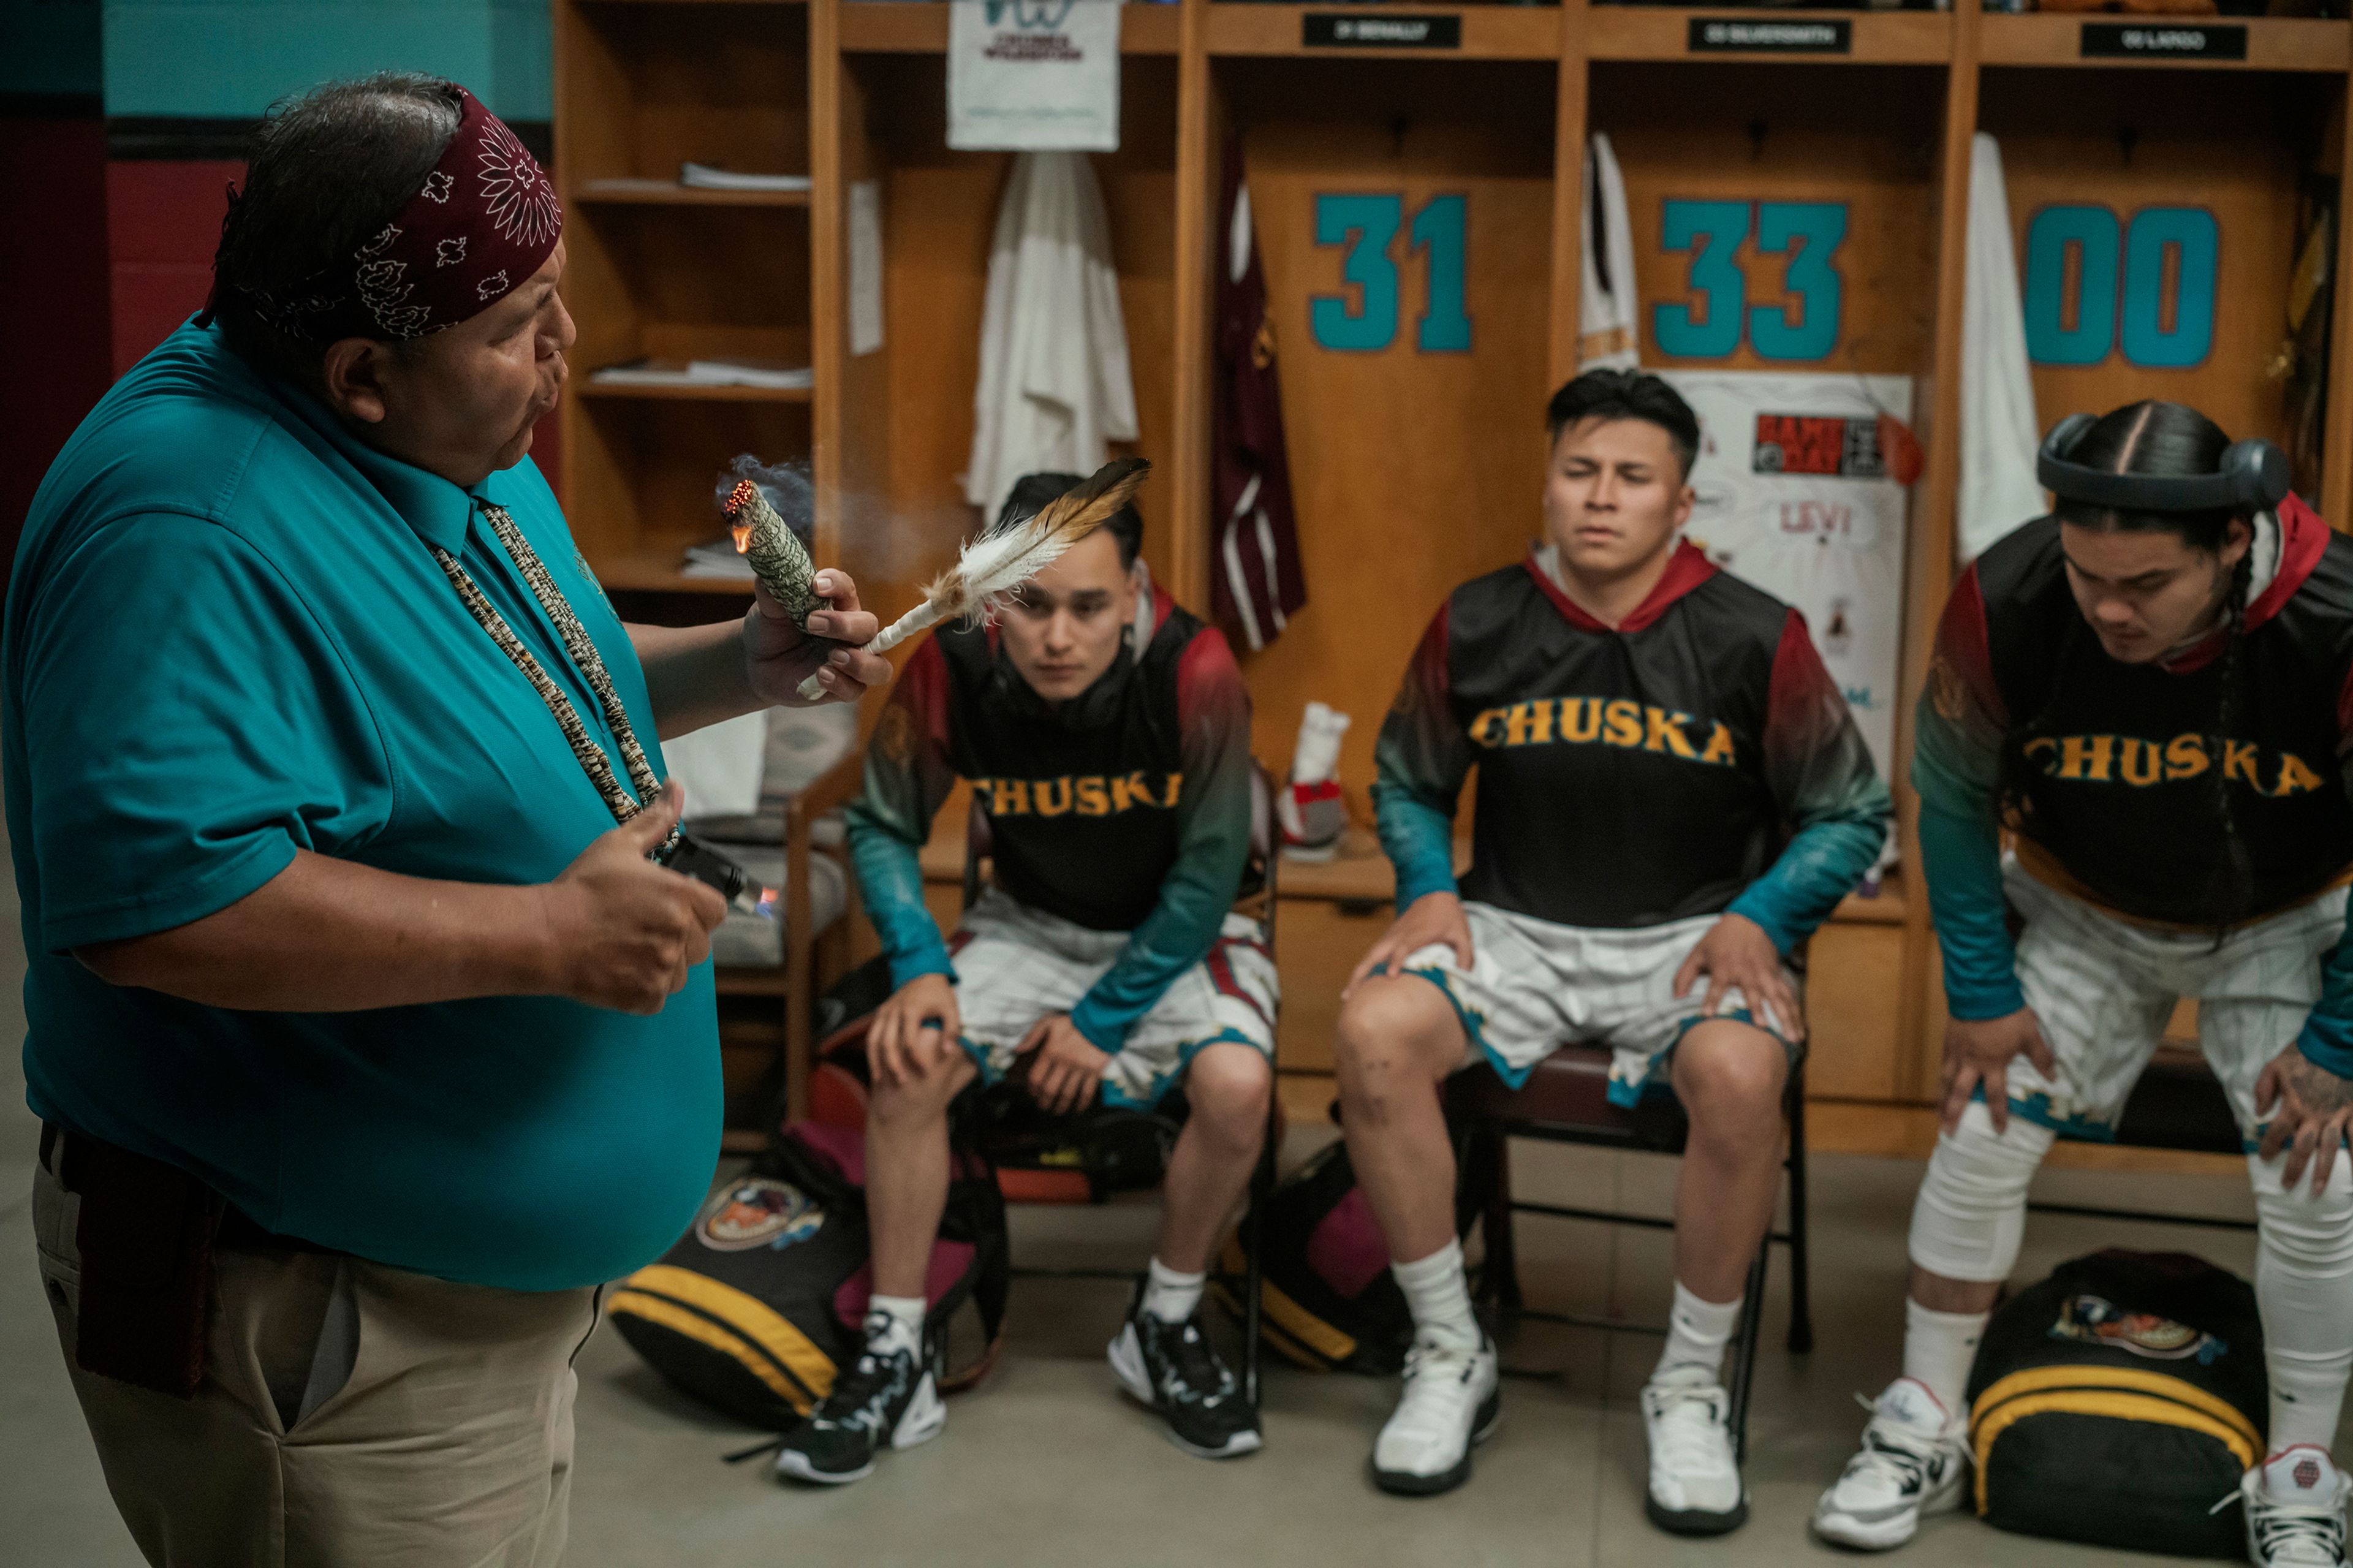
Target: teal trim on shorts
{"x":2036,"y":1107}
{"x":1626,"y":1096}
{"x":1515,"y":1077}
{"x":1111,"y":1094}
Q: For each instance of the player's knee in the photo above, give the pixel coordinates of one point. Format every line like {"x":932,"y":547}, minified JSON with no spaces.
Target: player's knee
{"x":1390,"y":1028}
{"x":2310,"y":1233}
{"x":1230,"y":1088}
{"x":1970,"y":1216}
{"x":1730,"y":1076}
{"x":932,"y":1079}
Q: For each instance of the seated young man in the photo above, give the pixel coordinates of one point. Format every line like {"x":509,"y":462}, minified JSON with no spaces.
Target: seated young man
{"x":1107,"y":732}
{"x":1671,"y":795}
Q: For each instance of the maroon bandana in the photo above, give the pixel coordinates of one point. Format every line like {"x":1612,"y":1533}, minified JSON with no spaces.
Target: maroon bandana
{"x":484,"y":221}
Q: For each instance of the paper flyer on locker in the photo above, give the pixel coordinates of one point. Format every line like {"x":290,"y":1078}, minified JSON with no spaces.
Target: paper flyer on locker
{"x":1795,"y":497}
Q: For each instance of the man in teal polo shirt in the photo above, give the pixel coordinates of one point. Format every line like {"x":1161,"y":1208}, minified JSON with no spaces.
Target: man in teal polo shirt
{"x":336,"y":948}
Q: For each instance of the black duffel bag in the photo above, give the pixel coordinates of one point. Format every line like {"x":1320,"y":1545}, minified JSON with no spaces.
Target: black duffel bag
{"x":2117,"y":1401}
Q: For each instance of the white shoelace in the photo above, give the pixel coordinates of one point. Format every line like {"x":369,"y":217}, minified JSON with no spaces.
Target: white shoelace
{"x":2291,"y":1532}
{"x":1890,"y":1454}
{"x":1689,"y":1438}
{"x":1438,"y":1390}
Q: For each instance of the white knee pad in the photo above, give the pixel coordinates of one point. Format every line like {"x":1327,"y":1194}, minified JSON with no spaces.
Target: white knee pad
{"x":1971,"y":1212}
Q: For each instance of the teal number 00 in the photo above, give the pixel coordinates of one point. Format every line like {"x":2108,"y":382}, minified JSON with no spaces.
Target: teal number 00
{"x":2120,"y":296}
{"x":1367,"y":321}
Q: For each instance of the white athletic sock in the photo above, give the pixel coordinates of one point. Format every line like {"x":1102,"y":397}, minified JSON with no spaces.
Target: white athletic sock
{"x":1938,"y":1349}
{"x":1439,"y":1295}
{"x":1697,"y":1331}
{"x":2303,"y":1262}
{"x":903,"y":1328}
{"x":1170,"y":1296}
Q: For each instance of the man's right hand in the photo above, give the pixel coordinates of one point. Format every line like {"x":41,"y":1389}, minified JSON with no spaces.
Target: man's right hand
{"x":623,"y":932}
{"x":1432,"y":917}
{"x":912,"y":1030}
{"x":1979,"y":1051}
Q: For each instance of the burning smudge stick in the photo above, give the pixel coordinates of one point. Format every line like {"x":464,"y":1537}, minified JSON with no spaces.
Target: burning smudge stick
{"x":775,"y":551}
{"x":1004,"y":558}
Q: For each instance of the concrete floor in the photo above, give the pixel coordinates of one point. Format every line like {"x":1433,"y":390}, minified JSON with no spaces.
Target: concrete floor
{"x":1043,"y":1464}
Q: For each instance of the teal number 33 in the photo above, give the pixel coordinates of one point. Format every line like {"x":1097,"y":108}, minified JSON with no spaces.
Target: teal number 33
{"x":1713,"y":322}
{"x":1364,"y":320}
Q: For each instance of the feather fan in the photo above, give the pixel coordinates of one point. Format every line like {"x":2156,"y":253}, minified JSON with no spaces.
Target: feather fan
{"x":1002,"y":559}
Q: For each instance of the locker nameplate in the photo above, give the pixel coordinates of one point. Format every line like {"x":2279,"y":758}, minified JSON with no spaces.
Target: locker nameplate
{"x":2142,"y":40}
{"x":1763,"y":36}
{"x":1329,"y":31}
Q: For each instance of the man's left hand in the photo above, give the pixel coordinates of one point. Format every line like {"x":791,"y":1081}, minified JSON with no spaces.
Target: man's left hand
{"x":778,"y":655}
{"x":1066,"y":1070}
{"x":2308,"y":1107}
{"x":1737,"y":952}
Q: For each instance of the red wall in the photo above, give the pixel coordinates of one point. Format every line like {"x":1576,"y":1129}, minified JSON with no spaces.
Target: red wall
{"x":53,"y":299}
{"x":124,"y":257}
{"x":164,"y":219}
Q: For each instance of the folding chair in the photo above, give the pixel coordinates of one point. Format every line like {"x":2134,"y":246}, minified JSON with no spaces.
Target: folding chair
{"x":1566,"y":1101}
{"x":1256,"y":900}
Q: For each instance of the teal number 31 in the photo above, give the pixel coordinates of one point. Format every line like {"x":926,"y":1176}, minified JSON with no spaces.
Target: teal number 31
{"x":1713,"y":322}
{"x":1365,"y":321}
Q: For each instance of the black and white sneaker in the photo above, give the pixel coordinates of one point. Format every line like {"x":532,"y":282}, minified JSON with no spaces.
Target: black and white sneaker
{"x":1913,"y":1461}
{"x":1452,"y":1400}
{"x":1172,"y":1368}
{"x":2296,"y":1510}
{"x":890,"y":1399}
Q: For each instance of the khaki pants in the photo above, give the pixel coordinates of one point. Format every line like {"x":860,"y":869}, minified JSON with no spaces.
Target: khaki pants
{"x":350,"y":1415}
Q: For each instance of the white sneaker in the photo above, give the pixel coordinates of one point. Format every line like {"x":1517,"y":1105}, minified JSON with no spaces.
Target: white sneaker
{"x":1695,"y":1480}
{"x":2296,"y":1510}
{"x":1913,"y":1461}
{"x":1450,"y":1400}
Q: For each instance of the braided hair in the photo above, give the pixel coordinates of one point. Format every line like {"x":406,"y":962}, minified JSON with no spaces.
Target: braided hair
{"x":2161,"y":439}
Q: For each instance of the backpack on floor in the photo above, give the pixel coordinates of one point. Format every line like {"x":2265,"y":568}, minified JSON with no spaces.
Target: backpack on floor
{"x":2117,"y":1401}
{"x":763,"y":1299}
{"x":1326,"y":1299}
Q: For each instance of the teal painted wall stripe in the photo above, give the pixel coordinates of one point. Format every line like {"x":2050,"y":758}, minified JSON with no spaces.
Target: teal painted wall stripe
{"x":225,"y":59}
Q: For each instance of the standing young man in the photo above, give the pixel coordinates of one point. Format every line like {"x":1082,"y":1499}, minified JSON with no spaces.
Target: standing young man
{"x":1107,"y":732}
{"x":2153,"y":685}
{"x":1672,"y":796}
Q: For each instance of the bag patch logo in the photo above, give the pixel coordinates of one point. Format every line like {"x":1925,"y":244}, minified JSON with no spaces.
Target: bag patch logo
{"x":758,"y":1211}
{"x":2095,"y":1320}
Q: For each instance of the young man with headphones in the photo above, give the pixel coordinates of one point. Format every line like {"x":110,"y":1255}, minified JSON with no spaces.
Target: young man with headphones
{"x":2152,"y":688}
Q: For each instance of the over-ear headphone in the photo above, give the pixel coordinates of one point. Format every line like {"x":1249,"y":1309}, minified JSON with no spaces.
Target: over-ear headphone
{"x":2253,"y":478}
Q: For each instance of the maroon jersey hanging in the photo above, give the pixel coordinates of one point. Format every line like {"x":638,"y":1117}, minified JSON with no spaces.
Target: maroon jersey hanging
{"x":1255,"y":582}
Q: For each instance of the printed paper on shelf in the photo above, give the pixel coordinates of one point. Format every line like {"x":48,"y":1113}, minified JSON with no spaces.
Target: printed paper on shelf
{"x":1033,"y":75}
{"x":1795,"y":498}
{"x":865,"y":266}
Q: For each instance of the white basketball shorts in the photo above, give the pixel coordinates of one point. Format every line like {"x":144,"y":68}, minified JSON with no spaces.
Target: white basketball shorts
{"x":1015,"y":964}
{"x":1534,"y":987}
{"x":2103,"y":988}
